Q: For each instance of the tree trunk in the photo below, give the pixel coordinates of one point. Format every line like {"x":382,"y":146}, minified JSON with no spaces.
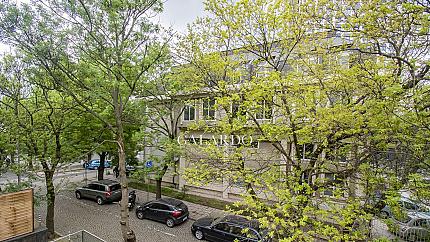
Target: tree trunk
{"x":50,"y":204}
{"x":101,"y":168}
{"x":158,"y":188}
{"x":127,"y":234}
{"x":158,"y":182}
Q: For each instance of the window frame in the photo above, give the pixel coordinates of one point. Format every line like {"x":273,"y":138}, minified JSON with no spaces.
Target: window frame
{"x":186,"y":117}
{"x":207,"y":110}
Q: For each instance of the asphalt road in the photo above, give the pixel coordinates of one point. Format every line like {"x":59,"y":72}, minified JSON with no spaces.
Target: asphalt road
{"x":72,"y":215}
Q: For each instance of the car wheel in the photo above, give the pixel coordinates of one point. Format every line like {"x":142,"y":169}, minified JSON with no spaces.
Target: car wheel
{"x":170,"y":223}
{"x":99,"y":201}
{"x":78,"y":195}
{"x":199,"y":234}
{"x":384,"y":215}
{"x":140,"y":215}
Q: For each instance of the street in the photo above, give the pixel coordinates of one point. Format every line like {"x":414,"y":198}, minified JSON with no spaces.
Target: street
{"x":72,"y":215}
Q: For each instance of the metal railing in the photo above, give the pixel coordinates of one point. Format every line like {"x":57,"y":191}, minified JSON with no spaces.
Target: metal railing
{"x":80,"y":236}
{"x":413,"y":234}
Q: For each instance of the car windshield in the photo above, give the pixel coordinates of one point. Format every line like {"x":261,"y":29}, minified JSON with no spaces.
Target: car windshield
{"x":115,"y":187}
{"x":216,"y":216}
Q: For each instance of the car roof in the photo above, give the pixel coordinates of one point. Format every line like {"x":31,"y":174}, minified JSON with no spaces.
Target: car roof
{"x":170,"y":201}
{"x":105,"y":182}
{"x":241,"y":221}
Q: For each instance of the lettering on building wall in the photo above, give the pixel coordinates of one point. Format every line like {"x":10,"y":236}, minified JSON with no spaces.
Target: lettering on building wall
{"x":221,"y":140}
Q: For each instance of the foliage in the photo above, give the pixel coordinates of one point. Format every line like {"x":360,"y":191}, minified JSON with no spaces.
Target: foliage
{"x":337,"y":109}
{"x":95,"y":53}
{"x":15,"y":187}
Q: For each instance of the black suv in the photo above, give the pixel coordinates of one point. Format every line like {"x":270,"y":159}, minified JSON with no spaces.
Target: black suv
{"x":227,"y":228}
{"x":102,"y":191}
{"x":166,"y":210}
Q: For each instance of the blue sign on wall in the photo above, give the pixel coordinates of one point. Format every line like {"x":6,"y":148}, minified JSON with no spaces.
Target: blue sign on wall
{"x":148,"y":164}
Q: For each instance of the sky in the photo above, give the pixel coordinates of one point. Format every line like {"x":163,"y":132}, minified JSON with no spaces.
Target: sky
{"x":177,"y":14}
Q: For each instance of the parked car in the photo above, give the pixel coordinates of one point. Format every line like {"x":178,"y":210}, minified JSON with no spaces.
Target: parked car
{"x":166,"y":210}
{"x":415,"y":226}
{"x":228,"y":228}
{"x":94,"y":164}
{"x":405,"y":204}
{"x":102,"y":191}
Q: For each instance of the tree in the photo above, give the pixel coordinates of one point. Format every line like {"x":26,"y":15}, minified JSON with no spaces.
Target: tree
{"x":398,"y":32}
{"x":322,"y":101}
{"x":42,"y":118}
{"x":99,"y":50}
{"x":163,"y":101}
{"x":13,"y":87}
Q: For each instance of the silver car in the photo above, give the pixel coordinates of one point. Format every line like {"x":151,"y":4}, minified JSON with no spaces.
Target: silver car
{"x":102,"y":191}
{"x":406,"y":205}
{"x":414,"y":227}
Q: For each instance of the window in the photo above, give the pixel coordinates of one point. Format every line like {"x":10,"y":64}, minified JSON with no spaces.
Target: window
{"x":236,"y":230}
{"x":332,"y":182}
{"x":115,"y":187}
{"x":264,"y":111}
{"x":93,"y":186}
{"x":329,"y":177}
{"x":222,"y":227}
{"x":159,"y":206}
{"x":189,"y":113}
{"x":305,"y":151}
{"x":209,"y":108}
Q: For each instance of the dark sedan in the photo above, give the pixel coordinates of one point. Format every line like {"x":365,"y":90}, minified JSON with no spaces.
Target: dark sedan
{"x":227,"y":228}
{"x":166,"y":210}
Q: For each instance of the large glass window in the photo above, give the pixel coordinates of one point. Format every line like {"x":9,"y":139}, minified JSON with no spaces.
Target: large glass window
{"x":189,"y":113}
{"x":209,"y":108}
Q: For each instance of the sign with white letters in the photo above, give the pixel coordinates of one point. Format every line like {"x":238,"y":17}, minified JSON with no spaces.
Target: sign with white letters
{"x":221,"y":140}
